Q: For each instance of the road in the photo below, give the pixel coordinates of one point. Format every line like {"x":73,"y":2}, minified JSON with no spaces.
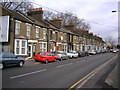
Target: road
{"x":60,"y":74}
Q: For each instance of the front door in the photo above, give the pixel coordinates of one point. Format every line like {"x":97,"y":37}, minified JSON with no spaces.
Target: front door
{"x":30,"y":51}
{"x":34,"y":50}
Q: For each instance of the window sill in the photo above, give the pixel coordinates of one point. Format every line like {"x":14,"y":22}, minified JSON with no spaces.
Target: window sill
{"x":21,"y":54}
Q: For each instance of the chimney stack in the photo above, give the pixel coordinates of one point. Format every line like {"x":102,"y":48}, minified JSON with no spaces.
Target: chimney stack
{"x":70,"y":26}
{"x":56,"y":21}
{"x":36,"y":13}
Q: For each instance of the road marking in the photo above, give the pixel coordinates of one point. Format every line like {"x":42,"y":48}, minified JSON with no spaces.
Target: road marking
{"x":27,"y":74}
{"x":77,"y":61}
{"x":36,"y":63}
{"x":64,"y":65}
{"x":87,"y":77}
{"x":82,"y":60}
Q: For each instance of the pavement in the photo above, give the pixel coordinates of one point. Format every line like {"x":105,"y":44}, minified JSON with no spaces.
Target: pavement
{"x":106,"y":78}
{"x":112,"y":79}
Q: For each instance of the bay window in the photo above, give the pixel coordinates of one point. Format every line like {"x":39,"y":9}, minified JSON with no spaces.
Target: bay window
{"x":20,"y":47}
{"x":43,"y":46}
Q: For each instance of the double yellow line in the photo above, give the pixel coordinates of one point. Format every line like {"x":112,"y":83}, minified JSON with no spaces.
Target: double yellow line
{"x":92,"y":73}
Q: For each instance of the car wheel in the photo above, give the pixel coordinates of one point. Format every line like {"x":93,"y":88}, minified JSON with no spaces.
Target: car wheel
{"x":46,"y":61}
{"x":55,"y":60}
{"x":1,"y":66}
{"x":36,"y":60}
{"x":69,"y":57}
{"x":20,"y":63}
{"x":61,"y":59}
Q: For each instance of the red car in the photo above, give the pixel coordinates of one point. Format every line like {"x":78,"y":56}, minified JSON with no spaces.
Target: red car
{"x":45,"y":57}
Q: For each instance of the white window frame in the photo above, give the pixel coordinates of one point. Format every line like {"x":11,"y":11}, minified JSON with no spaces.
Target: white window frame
{"x":17,"y":47}
{"x":28,"y":30}
{"x":64,"y":47}
{"x":44,"y":33}
{"x":74,"y":37}
{"x":37,"y":31}
{"x":77,"y":46}
{"x":17,"y":28}
{"x":42,"y":47}
{"x":20,"y":46}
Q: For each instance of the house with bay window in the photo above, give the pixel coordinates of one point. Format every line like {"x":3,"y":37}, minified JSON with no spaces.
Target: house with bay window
{"x":27,"y":36}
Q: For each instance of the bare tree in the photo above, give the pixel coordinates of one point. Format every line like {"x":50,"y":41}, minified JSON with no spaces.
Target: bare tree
{"x":21,"y":6}
{"x":67,"y":17}
{"x":109,"y":39}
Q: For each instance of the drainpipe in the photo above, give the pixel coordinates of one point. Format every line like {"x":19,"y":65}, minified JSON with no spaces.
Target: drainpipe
{"x":47,"y":39}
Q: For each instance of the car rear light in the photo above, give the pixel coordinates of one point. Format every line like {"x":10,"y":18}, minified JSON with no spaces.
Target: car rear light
{"x":80,"y":53}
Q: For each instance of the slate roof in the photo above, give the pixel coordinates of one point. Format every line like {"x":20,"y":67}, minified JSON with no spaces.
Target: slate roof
{"x":17,"y":15}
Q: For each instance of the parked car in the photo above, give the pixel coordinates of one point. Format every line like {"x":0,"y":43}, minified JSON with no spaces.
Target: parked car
{"x":98,"y":51}
{"x":117,"y":50}
{"x":114,"y":51}
{"x":80,"y":53}
{"x":106,"y":51}
{"x":86,"y":53}
{"x":111,"y":50}
{"x":72,"y":54}
{"x":103,"y":51}
{"x":9,"y":59}
{"x":61,"y":55}
{"x":92,"y":52}
{"x":45,"y":57}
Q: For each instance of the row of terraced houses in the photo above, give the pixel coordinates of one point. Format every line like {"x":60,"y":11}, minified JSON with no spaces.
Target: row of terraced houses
{"x":30,"y":34}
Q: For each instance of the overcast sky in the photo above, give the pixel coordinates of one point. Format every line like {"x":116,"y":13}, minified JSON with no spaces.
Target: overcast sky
{"x":93,"y":11}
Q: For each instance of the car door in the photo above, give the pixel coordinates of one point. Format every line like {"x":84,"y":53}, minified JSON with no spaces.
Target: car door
{"x":75,"y":54}
{"x":49,"y":57}
{"x":53,"y":57}
{"x":15,"y":60}
{"x":7,"y":60}
{"x":65,"y":56}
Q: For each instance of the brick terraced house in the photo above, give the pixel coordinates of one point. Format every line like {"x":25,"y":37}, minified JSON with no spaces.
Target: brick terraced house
{"x":30,"y":34}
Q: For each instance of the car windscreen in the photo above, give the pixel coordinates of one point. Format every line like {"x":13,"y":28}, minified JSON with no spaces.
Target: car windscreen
{"x":71,"y":52}
{"x":41,"y":53}
{"x":57,"y":52}
{"x":0,"y":54}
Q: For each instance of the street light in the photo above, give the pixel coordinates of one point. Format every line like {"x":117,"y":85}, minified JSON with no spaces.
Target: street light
{"x":115,"y":11}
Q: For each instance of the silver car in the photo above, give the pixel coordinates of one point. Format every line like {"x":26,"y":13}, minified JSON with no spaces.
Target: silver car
{"x":61,"y":55}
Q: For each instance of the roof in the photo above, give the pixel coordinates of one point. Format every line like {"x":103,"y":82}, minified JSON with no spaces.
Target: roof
{"x":17,"y":15}
{"x":22,"y":17}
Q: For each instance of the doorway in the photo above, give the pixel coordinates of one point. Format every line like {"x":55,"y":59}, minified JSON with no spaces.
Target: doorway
{"x":30,"y":51}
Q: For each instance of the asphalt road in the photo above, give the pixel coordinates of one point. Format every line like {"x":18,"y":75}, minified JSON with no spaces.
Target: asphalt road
{"x":60,"y":74}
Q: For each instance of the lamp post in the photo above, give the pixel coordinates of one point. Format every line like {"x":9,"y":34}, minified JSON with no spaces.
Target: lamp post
{"x":115,"y":11}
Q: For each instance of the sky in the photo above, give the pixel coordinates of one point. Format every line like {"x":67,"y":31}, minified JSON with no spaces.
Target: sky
{"x":92,"y":11}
